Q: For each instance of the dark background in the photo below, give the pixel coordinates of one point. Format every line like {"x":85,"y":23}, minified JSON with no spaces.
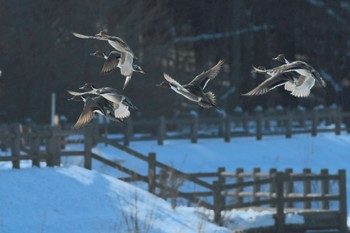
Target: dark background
{"x":39,"y":55}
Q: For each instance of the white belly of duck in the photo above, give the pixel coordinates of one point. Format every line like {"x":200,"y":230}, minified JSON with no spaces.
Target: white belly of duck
{"x":186,"y":94}
{"x":300,"y":89}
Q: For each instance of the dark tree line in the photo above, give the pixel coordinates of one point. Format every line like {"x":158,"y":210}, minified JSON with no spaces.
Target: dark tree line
{"x":38,"y":54}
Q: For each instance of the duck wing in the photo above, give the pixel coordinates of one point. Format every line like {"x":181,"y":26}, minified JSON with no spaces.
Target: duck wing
{"x":119,"y":44}
{"x":172,"y":81}
{"x":87,"y":114}
{"x":178,"y":88}
{"x":113,"y":97}
{"x":74,"y":93}
{"x":111,"y":62}
{"x":268,"y":85}
{"x":88,"y":37}
{"x":203,"y":78}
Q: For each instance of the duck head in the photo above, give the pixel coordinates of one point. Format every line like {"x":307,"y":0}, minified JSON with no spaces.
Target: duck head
{"x":280,"y":58}
{"x":138,"y":69}
{"x":102,"y":34}
{"x":99,"y":53}
{"x":164,"y":84}
{"x":87,"y":87}
{"x":78,"y":98}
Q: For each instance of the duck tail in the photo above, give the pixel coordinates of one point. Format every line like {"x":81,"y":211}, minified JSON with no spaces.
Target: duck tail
{"x":211,"y":98}
{"x":259,"y":70}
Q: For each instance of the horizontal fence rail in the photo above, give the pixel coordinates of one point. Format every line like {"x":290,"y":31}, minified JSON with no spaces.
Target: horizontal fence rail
{"x":215,"y":190}
{"x":257,"y":124}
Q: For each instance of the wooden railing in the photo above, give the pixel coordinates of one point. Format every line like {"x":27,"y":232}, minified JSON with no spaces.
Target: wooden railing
{"x":257,"y":124}
{"x":214,"y":190}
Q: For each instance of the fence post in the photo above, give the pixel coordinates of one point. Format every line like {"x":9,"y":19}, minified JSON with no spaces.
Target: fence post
{"x":289,"y":185}
{"x":228,"y":128}
{"x":88,"y":141}
{"x":222,"y":181}
{"x":244,"y":120}
{"x":307,"y":187}
{"x":128,"y":131}
{"x":342,"y":201}
{"x":272,"y":173}
{"x":239,"y":180}
{"x":53,"y":147}
{"x":194,"y":130}
{"x":15,"y":146}
{"x":256,"y":187}
{"x":152,"y":172}
{"x":325,"y":189}
{"x":259,"y":127}
{"x":314,"y":123}
{"x":35,"y":149}
{"x":289,"y":125}
{"x":279,"y":217}
{"x":161,"y":130}
{"x":337,"y":121}
{"x":217,"y":202}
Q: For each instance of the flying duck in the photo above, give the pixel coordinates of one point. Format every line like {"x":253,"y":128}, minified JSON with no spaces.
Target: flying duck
{"x":126,"y":54}
{"x":120,"y":103}
{"x":298,"y":77}
{"x":194,"y":90}
{"x":113,"y":60}
{"x":94,"y":105}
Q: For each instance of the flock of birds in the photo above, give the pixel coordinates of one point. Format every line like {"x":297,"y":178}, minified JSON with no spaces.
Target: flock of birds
{"x":297,"y":77}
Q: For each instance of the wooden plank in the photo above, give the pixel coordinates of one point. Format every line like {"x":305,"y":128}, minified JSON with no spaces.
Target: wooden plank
{"x":188,"y":196}
{"x":227,"y":136}
{"x":119,"y":167}
{"x":152,"y":172}
{"x":307,"y":188}
{"x":248,"y":183}
{"x":280,"y":216}
{"x":342,"y":201}
{"x":256,"y":186}
{"x":123,"y":148}
{"x":72,"y":153}
{"x":190,"y":178}
{"x":15,"y":146}
{"x":325,"y":189}
{"x":239,"y":181}
{"x":194,"y":129}
{"x":20,"y":157}
{"x":88,"y":144}
{"x":161,"y":130}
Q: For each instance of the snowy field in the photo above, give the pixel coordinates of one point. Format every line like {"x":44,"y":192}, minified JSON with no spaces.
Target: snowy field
{"x":72,"y":199}
{"x":54,"y":195}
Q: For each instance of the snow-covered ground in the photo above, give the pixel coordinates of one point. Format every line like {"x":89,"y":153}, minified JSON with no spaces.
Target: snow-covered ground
{"x":72,"y":199}
{"x":25,"y":192}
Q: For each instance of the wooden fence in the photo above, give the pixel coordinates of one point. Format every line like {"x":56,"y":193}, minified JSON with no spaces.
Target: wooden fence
{"x":240,"y":124}
{"x":219,"y":191}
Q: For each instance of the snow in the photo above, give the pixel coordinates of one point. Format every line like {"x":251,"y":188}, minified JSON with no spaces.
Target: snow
{"x":326,"y":150}
{"x":73,"y":199}
{"x":91,"y":202}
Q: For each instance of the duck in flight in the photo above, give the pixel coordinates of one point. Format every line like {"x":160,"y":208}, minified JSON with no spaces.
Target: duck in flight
{"x":126,"y":59}
{"x":94,"y":105}
{"x":120,"y":103}
{"x":113,"y":61}
{"x":194,"y":90}
{"x":298,"y":77}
